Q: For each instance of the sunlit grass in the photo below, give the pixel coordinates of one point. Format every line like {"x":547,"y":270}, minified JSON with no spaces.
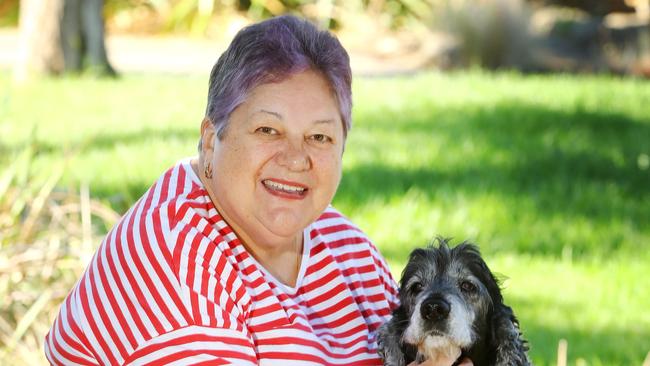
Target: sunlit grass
{"x":545,"y":173}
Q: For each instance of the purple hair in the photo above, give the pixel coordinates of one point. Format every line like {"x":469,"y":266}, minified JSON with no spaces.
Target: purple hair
{"x":271,"y":51}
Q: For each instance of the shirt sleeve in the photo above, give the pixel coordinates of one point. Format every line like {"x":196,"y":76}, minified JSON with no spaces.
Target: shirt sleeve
{"x":196,"y":345}
{"x":64,"y":343}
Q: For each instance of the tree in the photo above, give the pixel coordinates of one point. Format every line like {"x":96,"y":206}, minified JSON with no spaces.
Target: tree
{"x":82,"y":37}
{"x":39,"y":48}
{"x":61,"y":36}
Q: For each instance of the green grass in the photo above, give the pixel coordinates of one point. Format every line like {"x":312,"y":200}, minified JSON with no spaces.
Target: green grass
{"x":549,"y":174}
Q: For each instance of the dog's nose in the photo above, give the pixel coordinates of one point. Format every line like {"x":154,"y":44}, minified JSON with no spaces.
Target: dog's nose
{"x":435,"y":308}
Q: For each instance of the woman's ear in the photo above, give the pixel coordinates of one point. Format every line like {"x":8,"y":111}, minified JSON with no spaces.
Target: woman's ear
{"x":506,"y":338}
{"x":208,"y":134}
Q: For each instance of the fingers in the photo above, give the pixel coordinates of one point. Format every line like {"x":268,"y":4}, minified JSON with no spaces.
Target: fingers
{"x":443,"y":362}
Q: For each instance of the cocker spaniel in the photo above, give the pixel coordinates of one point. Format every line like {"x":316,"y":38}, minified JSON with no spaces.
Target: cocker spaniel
{"x":451,"y":306}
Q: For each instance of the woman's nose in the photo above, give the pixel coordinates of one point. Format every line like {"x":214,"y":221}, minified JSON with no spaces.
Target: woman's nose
{"x":294,"y":157}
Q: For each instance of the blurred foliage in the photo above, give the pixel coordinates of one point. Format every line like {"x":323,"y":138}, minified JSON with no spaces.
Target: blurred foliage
{"x":184,"y":15}
{"x":196,"y":15}
{"x":489,"y":34}
{"x":8,"y":13}
{"x":595,"y":7}
{"x":492,"y":34}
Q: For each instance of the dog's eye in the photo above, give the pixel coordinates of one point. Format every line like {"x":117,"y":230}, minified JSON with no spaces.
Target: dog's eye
{"x":416,"y":288}
{"x":468,"y":287}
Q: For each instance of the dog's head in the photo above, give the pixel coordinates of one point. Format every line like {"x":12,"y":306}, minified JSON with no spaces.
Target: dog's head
{"x":450,"y":300}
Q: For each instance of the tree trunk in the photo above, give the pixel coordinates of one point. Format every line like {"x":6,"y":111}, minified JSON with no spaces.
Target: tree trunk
{"x":61,"y":35}
{"x":39,"y":49}
{"x":642,"y":8}
{"x":82,"y":37}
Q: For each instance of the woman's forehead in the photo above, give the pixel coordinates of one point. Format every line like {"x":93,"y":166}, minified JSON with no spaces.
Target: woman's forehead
{"x":295,"y":84}
{"x":310,"y":95}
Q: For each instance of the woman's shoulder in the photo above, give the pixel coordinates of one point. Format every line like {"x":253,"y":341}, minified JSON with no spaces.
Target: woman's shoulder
{"x":178,"y":190}
{"x":165,"y":218}
{"x":331,"y":221}
{"x":338,"y":232}
{"x":350,"y":246}
{"x":180,"y":179}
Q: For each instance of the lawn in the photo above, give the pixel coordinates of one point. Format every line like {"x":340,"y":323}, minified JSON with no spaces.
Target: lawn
{"x":549,"y":174}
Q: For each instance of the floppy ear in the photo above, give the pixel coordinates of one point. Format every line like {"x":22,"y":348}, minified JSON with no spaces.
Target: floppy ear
{"x":506,"y":338}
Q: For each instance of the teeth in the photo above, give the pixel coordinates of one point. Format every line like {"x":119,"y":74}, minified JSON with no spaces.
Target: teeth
{"x":283,"y":187}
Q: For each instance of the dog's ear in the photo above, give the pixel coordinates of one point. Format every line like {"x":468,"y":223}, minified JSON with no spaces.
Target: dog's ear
{"x":506,"y":338}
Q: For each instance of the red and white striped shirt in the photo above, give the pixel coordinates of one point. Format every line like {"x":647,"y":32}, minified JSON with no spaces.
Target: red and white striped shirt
{"x":171,"y":284}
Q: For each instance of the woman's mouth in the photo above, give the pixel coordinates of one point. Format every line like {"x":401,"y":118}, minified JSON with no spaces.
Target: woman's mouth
{"x":285,"y":189}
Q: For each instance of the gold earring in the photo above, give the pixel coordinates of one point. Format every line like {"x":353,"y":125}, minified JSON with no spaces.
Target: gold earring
{"x":208,"y":171}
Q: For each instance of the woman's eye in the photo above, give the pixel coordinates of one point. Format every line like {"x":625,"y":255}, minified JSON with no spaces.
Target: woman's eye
{"x":468,"y":287}
{"x":319,"y":137}
{"x":266,"y":130}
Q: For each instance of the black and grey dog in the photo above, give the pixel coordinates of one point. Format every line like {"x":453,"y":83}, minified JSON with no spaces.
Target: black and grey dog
{"x":451,"y":303}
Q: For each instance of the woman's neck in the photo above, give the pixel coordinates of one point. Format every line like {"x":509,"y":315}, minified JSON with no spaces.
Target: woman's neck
{"x":284,"y":266}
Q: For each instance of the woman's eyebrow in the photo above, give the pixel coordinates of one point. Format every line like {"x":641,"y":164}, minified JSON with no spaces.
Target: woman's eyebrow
{"x":279,"y":116}
{"x":275,"y":114}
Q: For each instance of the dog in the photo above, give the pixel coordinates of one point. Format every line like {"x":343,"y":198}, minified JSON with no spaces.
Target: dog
{"x":451,"y":305}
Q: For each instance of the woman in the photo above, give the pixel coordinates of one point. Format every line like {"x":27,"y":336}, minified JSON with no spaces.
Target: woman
{"x":236,"y":257}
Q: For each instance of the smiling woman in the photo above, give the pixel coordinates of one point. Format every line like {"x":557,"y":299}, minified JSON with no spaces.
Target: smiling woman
{"x":236,"y":256}
{"x":276,"y":166}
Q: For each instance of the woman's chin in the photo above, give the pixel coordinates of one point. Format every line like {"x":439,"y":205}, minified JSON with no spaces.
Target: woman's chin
{"x":288,"y":230}
{"x":286,"y":226}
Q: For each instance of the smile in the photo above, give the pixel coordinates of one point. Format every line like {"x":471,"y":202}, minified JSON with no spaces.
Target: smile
{"x":284,"y":189}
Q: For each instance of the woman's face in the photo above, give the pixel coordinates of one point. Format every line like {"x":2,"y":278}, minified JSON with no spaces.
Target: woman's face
{"x":278,"y":164}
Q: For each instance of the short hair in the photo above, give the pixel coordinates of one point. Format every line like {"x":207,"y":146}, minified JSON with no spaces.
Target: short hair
{"x":271,"y":51}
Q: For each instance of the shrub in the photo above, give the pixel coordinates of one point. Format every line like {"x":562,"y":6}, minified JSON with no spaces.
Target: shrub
{"x":46,"y":239}
{"x":490,"y":33}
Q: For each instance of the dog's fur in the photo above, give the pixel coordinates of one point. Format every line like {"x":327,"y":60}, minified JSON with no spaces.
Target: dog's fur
{"x":450,"y":300}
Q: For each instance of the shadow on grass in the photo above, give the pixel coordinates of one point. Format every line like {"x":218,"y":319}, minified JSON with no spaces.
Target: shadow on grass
{"x":573,"y":166}
{"x":564,"y":164}
{"x":545,"y":147}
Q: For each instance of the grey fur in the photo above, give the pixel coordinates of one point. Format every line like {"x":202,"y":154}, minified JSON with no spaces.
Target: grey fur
{"x":473,"y":314}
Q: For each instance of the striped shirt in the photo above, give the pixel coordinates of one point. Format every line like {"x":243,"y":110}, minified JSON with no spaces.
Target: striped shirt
{"x":171,"y":284}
